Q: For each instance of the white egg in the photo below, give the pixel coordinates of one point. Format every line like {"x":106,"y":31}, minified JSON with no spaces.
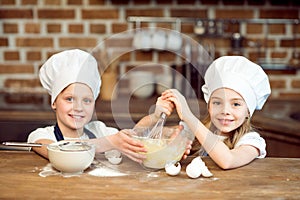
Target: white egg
{"x":115,"y":160}
{"x":172,"y":169}
{"x":193,"y":171}
{"x":112,"y":153}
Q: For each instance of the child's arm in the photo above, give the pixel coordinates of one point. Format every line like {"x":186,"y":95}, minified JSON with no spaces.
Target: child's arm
{"x":123,"y":142}
{"x":226,"y":158}
{"x":161,"y":106}
{"x":43,"y":149}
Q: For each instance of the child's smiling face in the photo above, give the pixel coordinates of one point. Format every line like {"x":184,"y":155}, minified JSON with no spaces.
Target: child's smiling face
{"x":74,"y":107}
{"x":227,"y":110}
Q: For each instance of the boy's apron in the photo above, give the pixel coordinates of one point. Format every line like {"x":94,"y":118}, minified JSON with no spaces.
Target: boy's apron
{"x":59,"y":136}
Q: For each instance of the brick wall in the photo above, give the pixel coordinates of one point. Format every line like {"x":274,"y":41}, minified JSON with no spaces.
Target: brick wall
{"x":32,"y":30}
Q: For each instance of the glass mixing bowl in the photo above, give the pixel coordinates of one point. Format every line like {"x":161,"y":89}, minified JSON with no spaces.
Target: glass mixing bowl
{"x":169,"y":149}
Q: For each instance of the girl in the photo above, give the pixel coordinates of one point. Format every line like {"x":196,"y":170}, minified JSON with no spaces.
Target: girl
{"x":72,"y":79}
{"x":234,"y":87}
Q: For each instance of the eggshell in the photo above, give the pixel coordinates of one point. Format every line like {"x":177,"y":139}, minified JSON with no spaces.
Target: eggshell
{"x":198,"y":161}
{"x":115,"y":160}
{"x":172,"y":169}
{"x":205,"y":172}
{"x":193,"y":171}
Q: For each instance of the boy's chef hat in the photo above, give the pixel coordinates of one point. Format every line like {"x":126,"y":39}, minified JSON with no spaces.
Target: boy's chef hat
{"x":241,"y":75}
{"x":67,"y":67}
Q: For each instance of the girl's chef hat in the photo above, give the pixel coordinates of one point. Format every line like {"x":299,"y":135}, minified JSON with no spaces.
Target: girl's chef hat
{"x":67,"y":67}
{"x":241,"y":75}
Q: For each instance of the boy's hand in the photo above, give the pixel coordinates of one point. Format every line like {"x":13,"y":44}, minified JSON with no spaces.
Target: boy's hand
{"x":127,"y":145}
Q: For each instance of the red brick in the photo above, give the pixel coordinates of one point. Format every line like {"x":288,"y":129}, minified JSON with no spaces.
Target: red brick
{"x":100,"y":14}
{"x":33,"y":55}
{"x":32,"y":28}
{"x":76,"y":28}
{"x":279,"y":14}
{"x":125,"y":56}
{"x":10,"y":28}
{"x":296,"y":28}
{"x":197,"y":13}
{"x":279,"y":54}
{"x":22,"y":83}
{"x":3,"y":41}
{"x":254,"y":28}
{"x":119,"y":27}
{"x":287,"y":43}
{"x":97,"y":28}
{"x":16,"y":68}
{"x":74,"y":2}
{"x":269,"y":43}
{"x":290,"y":95}
{"x":53,"y":2}
{"x":53,"y":28}
{"x":166,"y":56}
{"x":277,"y":29}
{"x":56,"y":14}
{"x":234,"y":13}
{"x":11,"y":55}
{"x":16,"y":14}
{"x":118,"y":42}
{"x":23,"y":98}
{"x":143,"y":55}
{"x":277,"y":83}
{"x":96,"y":2}
{"x":7,"y":2}
{"x":145,"y":12}
{"x":29,"y":2}
{"x":187,"y":28}
{"x":34,"y":42}
{"x":77,"y":42}
{"x":295,"y":83}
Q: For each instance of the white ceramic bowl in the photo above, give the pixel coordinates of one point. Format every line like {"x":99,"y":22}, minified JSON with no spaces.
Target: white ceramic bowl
{"x":169,"y":149}
{"x":141,"y":83}
{"x":73,"y":159}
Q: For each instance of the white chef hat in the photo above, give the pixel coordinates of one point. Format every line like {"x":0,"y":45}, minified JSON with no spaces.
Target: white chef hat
{"x":67,"y":67}
{"x":241,"y":75}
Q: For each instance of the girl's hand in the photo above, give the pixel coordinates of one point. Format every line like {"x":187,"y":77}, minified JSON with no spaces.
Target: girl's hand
{"x":163,"y":106}
{"x":180,"y":102}
{"x":173,"y":132}
{"x":128,"y":146}
{"x":187,"y":149}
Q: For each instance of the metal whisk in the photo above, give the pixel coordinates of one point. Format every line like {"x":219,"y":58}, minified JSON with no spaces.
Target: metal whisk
{"x":156,"y":131}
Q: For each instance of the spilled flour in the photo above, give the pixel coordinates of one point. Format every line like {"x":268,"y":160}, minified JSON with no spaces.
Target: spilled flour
{"x":105,"y":172}
{"x":98,"y":170}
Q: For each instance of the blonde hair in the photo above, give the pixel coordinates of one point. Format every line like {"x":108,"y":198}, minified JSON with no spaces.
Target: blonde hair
{"x":235,"y":135}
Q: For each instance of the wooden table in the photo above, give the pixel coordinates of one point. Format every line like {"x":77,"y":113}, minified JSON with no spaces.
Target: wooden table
{"x":270,"y":178}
